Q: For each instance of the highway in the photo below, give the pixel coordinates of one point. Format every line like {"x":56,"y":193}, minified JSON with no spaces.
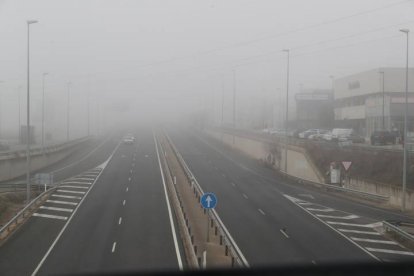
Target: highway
{"x":275,"y":222}
{"x":119,"y":221}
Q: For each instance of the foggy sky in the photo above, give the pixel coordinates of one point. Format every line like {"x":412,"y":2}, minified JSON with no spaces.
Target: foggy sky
{"x":160,"y":59}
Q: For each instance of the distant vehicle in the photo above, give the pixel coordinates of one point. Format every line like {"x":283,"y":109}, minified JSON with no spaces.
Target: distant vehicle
{"x":382,"y":137}
{"x":306,"y":133}
{"x":356,"y":138}
{"x":338,"y":134}
{"x":128,"y":140}
{"x":318,"y":135}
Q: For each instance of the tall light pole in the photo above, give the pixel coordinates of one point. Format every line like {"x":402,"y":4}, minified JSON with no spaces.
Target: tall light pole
{"x":287,"y":108}
{"x":29,"y":22}
{"x":68,"y":111}
{"x":1,"y":115}
{"x":43,"y":110}
{"x":222,"y":101}
{"x":382,"y":73}
{"x":20,"y":112}
{"x":406,"y":31}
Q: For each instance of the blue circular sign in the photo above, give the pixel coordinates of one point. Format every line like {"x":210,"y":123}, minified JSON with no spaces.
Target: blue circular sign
{"x":208,"y":200}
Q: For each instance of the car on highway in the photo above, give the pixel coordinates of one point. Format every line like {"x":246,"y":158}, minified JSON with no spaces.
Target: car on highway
{"x":318,"y":135}
{"x":382,"y":137}
{"x":305,"y":134}
{"x":337,"y":134}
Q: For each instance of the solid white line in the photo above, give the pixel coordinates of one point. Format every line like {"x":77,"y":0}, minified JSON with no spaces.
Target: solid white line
{"x":333,"y":228}
{"x":63,"y":196}
{"x":284,"y":233}
{"x":245,"y":196}
{"x":374,"y":241}
{"x":306,"y":203}
{"x":321,"y":210}
{"x":49,"y":216}
{"x":338,"y":217}
{"x":371,"y":225}
{"x":74,"y":212}
{"x":113,"y":247}
{"x":398,"y":252}
{"x":261,"y":211}
{"x":76,"y":182}
{"x":120,"y":220}
{"x":56,"y":209}
{"x":62,"y":202}
{"x":123,"y":203}
{"x":74,"y":187}
{"x":177,"y":249}
{"x":71,"y":192}
{"x":359,"y":232}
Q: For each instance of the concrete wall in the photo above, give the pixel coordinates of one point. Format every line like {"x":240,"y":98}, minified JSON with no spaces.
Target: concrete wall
{"x":14,"y":165}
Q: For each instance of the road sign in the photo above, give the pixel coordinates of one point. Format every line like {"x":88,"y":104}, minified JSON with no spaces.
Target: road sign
{"x":44,"y":178}
{"x":208,"y":201}
{"x":346,"y":164}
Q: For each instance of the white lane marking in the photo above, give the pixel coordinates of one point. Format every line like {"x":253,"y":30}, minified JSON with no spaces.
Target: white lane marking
{"x":374,"y":241}
{"x":306,"y":203}
{"x":113,"y":247}
{"x":123,"y":203}
{"x":371,"y":225}
{"x":223,"y":174}
{"x":129,"y":179}
{"x":174,"y":234}
{"x":245,"y":196}
{"x":398,"y":252}
{"x":70,"y":192}
{"x":74,"y":187}
{"x":63,"y":196}
{"x":338,"y":217}
{"x":49,"y":216}
{"x":133,"y":164}
{"x":284,"y":233}
{"x":306,"y":195}
{"x":127,"y":189}
{"x":359,"y":232}
{"x":146,"y":155}
{"x":77,"y":182}
{"x":102,"y":167}
{"x":57,"y":209}
{"x":314,"y":262}
{"x":232,"y":184}
{"x":294,"y":201}
{"x":83,"y":178}
{"x":130,"y":171}
{"x":261,"y":211}
{"x":321,"y":210}
{"x":62,"y":202}
{"x":120,"y":220}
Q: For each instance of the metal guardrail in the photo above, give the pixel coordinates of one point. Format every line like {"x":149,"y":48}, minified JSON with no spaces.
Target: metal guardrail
{"x":23,"y":213}
{"x":388,"y":227}
{"x":39,"y":150}
{"x":228,"y":240}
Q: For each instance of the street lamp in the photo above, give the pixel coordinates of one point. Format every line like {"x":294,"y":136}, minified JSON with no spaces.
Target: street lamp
{"x":43,"y":110}
{"x":406,"y":31}
{"x":287,"y":108}
{"x":1,"y":117}
{"x":382,"y":73}
{"x":29,"y":22}
{"x":68,"y":111}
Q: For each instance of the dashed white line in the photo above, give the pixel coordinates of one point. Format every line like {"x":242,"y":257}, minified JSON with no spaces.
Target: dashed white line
{"x":261,"y":211}
{"x":120,"y":220}
{"x":56,"y":209}
{"x":398,"y":252}
{"x":133,"y":164}
{"x":113,"y":247}
{"x":130,"y":171}
{"x":321,"y":210}
{"x":70,"y":192}
{"x":126,"y":189}
{"x":232,"y":184}
{"x":338,"y":217}
{"x":284,"y":233}
{"x":245,"y":196}
{"x":62,"y":202}
{"x":63,"y":196}
{"x":50,"y":216}
{"x":374,"y":241}
{"x":74,"y":187}
{"x":129,"y":179}
{"x":123,"y":203}
{"x":359,"y":232}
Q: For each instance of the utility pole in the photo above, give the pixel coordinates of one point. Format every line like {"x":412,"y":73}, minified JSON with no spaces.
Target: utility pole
{"x":382,"y":73}
{"x":68,"y":112}
{"x":222,"y":101}
{"x":43,"y":111}
{"x":287,"y":109}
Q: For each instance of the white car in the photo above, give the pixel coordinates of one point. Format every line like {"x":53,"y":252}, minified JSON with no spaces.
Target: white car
{"x":338,"y":134}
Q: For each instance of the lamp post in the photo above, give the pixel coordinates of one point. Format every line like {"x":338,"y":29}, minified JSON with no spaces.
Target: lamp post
{"x":43,"y":110}
{"x":1,"y":117}
{"x":29,"y":22}
{"x":68,"y":111}
{"x":287,"y":108}
{"x":382,"y":73}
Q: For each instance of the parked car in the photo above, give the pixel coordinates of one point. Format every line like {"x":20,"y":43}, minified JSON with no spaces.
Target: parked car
{"x":338,"y":134}
{"x":356,"y":138}
{"x":318,"y":135}
{"x":305,"y":134}
{"x":382,"y":137}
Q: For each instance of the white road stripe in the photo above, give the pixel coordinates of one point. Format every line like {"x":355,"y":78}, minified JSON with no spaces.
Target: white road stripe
{"x":245,"y":196}
{"x":284,"y":233}
{"x":371,"y":225}
{"x":62,"y":202}
{"x":64,"y":196}
{"x":306,"y":203}
{"x":130,"y":171}
{"x":50,"y":216}
{"x":113,"y":247}
{"x":74,"y":187}
{"x":398,"y":252}
{"x":320,"y":210}
{"x":123,"y":203}
{"x":234,"y":185}
{"x":56,"y":209}
{"x":83,"y":178}
{"x":129,"y":178}
{"x":133,"y":164}
{"x":374,"y":241}
{"x":261,"y":211}
{"x":127,"y":189}
{"x":120,"y":220}
{"x":71,"y":192}
{"x":77,"y":182}
{"x":359,"y":232}
{"x":338,"y":217}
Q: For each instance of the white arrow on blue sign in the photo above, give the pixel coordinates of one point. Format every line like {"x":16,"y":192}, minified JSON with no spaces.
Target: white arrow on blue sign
{"x":208,"y":201}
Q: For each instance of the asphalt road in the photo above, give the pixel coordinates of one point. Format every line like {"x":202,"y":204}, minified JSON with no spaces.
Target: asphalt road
{"x":113,"y":218}
{"x":277,"y":223}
